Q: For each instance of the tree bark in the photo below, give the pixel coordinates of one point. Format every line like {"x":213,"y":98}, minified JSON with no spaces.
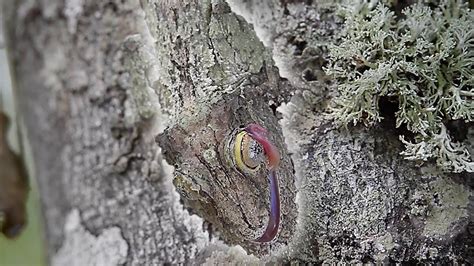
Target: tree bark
{"x":111,"y":92}
{"x":105,"y":193}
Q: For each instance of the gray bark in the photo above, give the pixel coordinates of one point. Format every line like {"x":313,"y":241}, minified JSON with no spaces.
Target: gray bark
{"x":104,"y":191}
{"x":110,"y":90}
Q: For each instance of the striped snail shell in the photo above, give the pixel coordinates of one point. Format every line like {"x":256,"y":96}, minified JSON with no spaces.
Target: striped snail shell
{"x":247,"y":153}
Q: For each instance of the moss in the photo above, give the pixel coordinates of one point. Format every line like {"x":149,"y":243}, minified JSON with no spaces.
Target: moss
{"x":421,"y":60}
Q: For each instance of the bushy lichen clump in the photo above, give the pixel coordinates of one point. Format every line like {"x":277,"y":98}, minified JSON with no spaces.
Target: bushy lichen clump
{"x":424,"y":60}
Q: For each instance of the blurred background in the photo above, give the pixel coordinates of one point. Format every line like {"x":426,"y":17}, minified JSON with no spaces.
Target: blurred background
{"x":27,"y":249}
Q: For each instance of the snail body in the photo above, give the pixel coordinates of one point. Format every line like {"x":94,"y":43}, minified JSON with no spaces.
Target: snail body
{"x":250,"y":149}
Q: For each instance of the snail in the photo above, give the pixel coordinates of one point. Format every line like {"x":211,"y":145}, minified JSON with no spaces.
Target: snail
{"x":250,"y":147}
{"x":248,"y":153}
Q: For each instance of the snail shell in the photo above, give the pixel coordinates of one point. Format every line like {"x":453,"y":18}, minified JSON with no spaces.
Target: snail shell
{"x":247,"y":153}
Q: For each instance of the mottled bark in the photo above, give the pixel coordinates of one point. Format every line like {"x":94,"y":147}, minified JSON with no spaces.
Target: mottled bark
{"x":105,"y":191}
{"x":104,"y":87}
{"x":358,"y":199}
{"x":220,"y":78}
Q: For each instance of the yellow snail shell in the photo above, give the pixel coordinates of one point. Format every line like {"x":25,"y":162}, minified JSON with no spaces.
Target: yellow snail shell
{"x":248,"y":153}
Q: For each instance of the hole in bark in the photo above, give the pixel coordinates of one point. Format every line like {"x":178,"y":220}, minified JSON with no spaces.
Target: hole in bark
{"x":299,"y":47}
{"x":274,"y":107}
{"x":436,"y":199}
{"x":298,"y":43}
{"x":367,"y":259}
{"x":309,"y":75}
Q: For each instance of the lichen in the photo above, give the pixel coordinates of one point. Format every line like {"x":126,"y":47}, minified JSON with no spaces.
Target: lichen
{"x":234,"y":255}
{"x":235,"y":49}
{"x":449,"y":205}
{"x":383,"y":244}
{"x":143,"y":74}
{"x":80,"y":247}
{"x":421,"y":60}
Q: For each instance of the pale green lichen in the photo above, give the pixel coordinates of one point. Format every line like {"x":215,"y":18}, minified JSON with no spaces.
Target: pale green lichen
{"x":209,"y":155}
{"x":423,"y":61}
{"x":449,"y":205}
{"x":141,"y":62}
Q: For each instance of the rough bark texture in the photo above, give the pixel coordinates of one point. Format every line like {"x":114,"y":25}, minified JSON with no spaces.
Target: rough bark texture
{"x":105,"y":194}
{"x":358,"y":200}
{"x":104,"y":85}
{"x":219,"y":78}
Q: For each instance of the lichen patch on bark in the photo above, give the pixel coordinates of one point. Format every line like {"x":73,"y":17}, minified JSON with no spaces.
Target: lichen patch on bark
{"x":448,"y":205}
{"x":80,"y":247}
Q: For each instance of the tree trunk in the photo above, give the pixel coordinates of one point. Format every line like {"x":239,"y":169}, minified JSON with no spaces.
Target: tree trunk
{"x":111,"y":92}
